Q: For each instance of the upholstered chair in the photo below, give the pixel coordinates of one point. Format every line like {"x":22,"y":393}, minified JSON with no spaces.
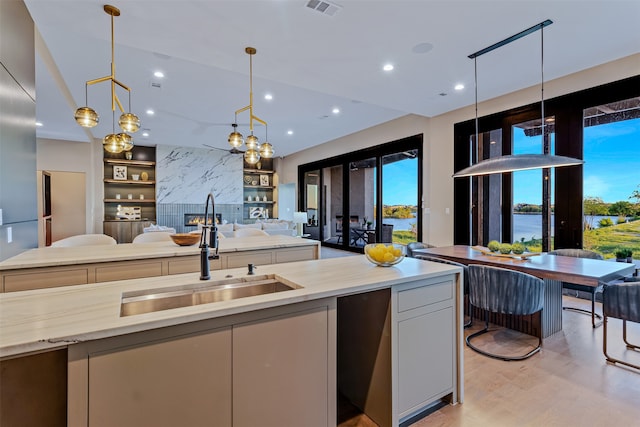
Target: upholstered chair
{"x":621,"y":300}
{"x":84,"y":240}
{"x":582,"y":253}
{"x":246,"y":232}
{"x":499,"y":290}
{"x":152,"y":237}
{"x":465,"y":280}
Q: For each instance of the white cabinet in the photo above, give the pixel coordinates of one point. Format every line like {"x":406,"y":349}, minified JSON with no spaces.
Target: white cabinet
{"x":424,"y":350}
{"x":272,"y":367}
{"x":280,"y":371}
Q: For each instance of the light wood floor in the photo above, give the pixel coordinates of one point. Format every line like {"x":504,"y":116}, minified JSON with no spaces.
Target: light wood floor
{"x":567,"y":384}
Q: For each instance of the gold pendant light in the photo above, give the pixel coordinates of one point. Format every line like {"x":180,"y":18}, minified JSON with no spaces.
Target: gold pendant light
{"x":128,"y":122}
{"x":255,"y":150}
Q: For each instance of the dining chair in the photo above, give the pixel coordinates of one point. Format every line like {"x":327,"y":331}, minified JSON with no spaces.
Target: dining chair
{"x":387,"y":233}
{"x":338,"y":231}
{"x":411,"y":246}
{"x":84,"y":240}
{"x":465,"y":281}
{"x":581,"y":253}
{"x":620,"y":300}
{"x":152,"y":237}
{"x":503,"y":291}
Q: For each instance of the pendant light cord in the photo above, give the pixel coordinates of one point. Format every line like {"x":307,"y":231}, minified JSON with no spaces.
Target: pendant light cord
{"x":475,"y":75}
{"x":542,"y":80}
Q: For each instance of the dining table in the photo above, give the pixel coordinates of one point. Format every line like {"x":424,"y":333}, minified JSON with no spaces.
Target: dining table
{"x":553,"y":269}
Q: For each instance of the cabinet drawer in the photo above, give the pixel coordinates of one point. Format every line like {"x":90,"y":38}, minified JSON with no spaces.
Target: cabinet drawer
{"x":425,"y":295}
{"x":242,"y":259}
{"x":128,"y":270}
{"x":45,"y":279}
{"x":299,"y":254}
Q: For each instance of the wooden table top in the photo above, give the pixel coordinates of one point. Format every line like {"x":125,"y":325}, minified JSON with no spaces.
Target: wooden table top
{"x":581,"y":271}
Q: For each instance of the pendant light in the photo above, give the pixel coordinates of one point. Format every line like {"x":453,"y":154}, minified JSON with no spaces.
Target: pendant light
{"x":255,"y":150}
{"x":516,"y":162}
{"x":128,"y":122}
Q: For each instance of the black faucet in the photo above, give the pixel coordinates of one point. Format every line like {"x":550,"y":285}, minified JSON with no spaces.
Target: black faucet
{"x":205,"y":256}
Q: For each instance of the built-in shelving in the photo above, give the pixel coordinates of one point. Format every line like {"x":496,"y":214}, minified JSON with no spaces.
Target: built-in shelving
{"x":258,"y":182}
{"x":119,"y":183}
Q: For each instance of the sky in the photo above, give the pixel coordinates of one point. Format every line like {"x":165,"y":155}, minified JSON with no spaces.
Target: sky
{"x":400,"y":183}
{"x":611,"y":168}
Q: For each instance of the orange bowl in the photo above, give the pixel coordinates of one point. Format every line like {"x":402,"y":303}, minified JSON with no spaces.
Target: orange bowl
{"x":185,"y":239}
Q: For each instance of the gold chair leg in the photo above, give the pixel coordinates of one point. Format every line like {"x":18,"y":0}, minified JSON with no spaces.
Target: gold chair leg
{"x":604,"y":344}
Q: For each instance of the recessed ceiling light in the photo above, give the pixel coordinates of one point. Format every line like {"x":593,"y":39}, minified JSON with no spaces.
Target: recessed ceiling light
{"x":289,"y":132}
{"x":335,"y":110}
{"x":268,"y":97}
{"x":459,"y":86}
{"x":422,"y":48}
{"x":150,"y":112}
{"x":38,"y":124}
{"x":159,"y":74}
{"x":387,"y":67}
{"x":145,"y":134}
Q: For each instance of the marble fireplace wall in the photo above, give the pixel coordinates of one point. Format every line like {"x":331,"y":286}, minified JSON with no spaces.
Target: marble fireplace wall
{"x":184,"y":177}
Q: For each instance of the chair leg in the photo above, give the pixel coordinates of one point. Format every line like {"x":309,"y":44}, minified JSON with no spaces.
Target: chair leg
{"x":624,"y":335}
{"x":497,"y":356}
{"x":592,"y":313}
{"x":470,"y":311}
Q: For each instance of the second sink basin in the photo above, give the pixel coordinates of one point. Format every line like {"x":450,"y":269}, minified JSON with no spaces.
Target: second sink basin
{"x":151,"y":300}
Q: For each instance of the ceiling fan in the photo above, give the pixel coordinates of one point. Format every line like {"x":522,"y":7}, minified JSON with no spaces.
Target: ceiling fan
{"x":232,"y":150}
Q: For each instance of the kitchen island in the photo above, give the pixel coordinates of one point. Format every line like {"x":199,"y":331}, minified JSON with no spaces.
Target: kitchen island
{"x":50,"y":267}
{"x":272,"y":359}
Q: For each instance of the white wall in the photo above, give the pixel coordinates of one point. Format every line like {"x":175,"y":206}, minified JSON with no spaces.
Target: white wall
{"x":69,"y":156}
{"x":438,"y":140}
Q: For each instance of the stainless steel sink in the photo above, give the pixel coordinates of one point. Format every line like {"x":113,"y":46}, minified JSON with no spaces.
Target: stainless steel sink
{"x":151,"y":300}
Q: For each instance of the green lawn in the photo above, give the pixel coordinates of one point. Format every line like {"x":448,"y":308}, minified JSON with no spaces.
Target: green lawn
{"x":605,"y":240}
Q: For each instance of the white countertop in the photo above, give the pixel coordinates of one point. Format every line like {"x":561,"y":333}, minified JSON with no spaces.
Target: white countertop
{"x":48,"y":257}
{"x":52,"y":318}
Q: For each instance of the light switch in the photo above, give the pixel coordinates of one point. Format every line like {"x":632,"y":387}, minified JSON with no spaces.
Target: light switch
{"x":9,"y":234}
{"x":447,"y":211}
{"x":0,"y":216}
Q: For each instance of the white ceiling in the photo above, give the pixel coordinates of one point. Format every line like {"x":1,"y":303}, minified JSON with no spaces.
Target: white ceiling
{"x":309,"y":61}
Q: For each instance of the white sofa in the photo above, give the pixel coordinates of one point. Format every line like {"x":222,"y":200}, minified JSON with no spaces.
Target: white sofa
{"x":270,"y":226}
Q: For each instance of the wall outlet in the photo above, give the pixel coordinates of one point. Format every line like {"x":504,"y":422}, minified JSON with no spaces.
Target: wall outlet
{"x":447,"y":211}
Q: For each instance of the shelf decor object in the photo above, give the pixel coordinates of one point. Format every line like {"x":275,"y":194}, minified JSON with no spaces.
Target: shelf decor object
{"x":128,"y":122}
{"x":255,"y":150}
{"x":120,"y":173}
{"x":510,"y":163}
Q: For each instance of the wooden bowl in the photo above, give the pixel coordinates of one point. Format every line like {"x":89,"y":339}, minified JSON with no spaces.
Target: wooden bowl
{"x":185,"y":239}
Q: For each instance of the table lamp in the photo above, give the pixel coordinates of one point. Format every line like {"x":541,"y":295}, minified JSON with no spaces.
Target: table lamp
{"x":299,"y":218}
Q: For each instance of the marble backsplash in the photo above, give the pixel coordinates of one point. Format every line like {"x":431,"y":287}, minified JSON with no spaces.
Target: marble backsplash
{"x":185,"y":175}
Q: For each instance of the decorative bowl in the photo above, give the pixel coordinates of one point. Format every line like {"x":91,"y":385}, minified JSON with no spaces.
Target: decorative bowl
{"x":185,"y":239}
{"x":385,"y":255}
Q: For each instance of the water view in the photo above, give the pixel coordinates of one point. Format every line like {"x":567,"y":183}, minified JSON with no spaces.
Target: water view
{"x":529,"y":227}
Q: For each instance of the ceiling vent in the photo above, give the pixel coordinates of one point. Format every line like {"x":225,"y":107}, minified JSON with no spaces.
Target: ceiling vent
{"x":156,"y":84}
{"x":324,"y":7}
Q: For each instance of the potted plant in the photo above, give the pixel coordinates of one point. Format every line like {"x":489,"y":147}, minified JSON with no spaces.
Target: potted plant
{"x":369,"y":223}
{"x":624,"y":255}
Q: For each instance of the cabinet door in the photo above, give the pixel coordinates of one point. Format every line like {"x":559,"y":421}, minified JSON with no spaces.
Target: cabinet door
{"x":182,"y":382}
{"x":121,"y":231}
{"x":425,"y":358}
{"x":281,"y":371}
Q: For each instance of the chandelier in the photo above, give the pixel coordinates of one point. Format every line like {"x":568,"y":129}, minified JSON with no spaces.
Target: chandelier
{"x":517,"y":162}
{"x":255,"y":150}
{"x":128,"y":122}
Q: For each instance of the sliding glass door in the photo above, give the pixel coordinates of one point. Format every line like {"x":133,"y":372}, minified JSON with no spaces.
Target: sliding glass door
{"x":349,"y":212}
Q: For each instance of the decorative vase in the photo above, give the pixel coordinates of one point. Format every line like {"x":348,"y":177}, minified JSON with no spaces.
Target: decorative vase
{"x":128,"y":155}
{"x":144,"y":176}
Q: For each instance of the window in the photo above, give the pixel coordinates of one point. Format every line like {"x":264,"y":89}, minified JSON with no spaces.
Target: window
{"x":606,"y":186}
